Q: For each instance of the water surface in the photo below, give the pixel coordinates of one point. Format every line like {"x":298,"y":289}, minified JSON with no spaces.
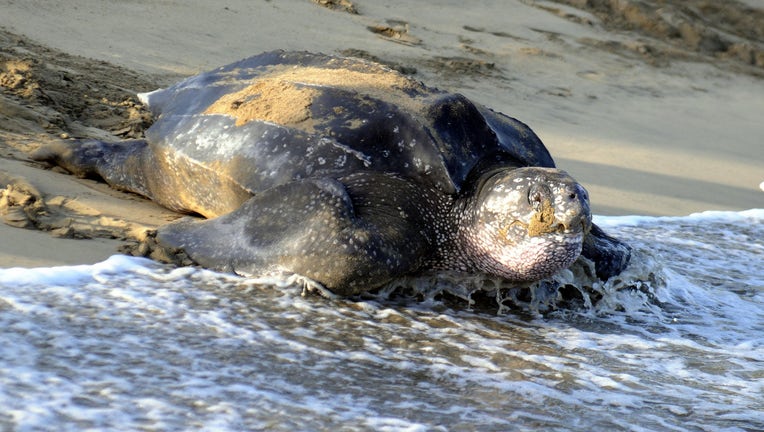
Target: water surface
{"x":129,"y":344}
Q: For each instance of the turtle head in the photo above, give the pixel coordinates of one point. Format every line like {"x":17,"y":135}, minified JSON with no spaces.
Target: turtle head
{"x":525,"y":224}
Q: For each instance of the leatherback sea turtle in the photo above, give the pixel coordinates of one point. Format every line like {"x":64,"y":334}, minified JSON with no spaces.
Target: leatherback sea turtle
{"x":350,"y":174}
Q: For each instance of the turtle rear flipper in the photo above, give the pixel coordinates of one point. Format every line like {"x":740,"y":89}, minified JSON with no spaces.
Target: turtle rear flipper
{"x":312,"y":228}
{"x":123,"y":165}
{"x":174,"y":181}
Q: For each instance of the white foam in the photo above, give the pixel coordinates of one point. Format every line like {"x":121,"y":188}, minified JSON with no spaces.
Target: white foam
{"x":756,"y":214}
{"x":144,"y":97}
{"x":70,"y":275}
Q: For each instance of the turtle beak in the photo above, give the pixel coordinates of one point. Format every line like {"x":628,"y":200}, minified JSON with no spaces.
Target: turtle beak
{"x":585,"y":224}
{"x":575,"y":213}
{"x":568,"y":213}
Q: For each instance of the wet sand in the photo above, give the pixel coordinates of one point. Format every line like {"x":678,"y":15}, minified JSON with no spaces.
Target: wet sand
{"x":654,"y":106}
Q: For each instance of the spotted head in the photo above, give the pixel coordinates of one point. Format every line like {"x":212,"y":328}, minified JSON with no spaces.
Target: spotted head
{"x":524,"y":224}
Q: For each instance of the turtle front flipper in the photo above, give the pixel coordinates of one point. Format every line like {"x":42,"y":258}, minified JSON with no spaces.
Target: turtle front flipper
{"x":314,"y":228}
{"x":610,"y":255}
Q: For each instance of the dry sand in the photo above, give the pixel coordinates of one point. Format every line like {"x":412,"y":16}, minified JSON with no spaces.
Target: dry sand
{"x":657,"y":106}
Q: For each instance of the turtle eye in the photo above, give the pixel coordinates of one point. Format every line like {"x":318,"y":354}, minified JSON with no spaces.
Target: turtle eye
{"x":535,"y":200}
{"x":536,"y":197}
{"x":579,"y":192}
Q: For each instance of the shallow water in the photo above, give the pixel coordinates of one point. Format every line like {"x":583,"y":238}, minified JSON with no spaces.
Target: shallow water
{"x":128,"y":344}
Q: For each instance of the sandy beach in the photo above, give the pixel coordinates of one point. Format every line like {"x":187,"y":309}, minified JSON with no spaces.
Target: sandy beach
{"x":655,"y":106}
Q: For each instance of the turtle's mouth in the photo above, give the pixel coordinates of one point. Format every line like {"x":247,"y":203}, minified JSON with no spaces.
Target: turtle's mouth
{"x":537,"y":230}
{"x":544,"y":223}
{"x":533,"y":250}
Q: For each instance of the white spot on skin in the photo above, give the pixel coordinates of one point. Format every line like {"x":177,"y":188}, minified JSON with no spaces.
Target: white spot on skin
{"x":340,"y":162}
{"x":357,"y":154}
{"x":500,"y":202}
